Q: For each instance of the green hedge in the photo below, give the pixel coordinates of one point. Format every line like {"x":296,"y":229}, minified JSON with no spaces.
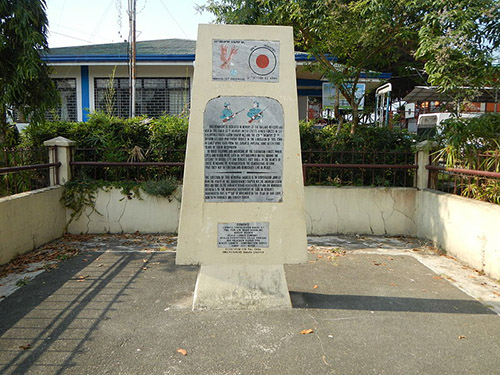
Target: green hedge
{"x":118,"y":139}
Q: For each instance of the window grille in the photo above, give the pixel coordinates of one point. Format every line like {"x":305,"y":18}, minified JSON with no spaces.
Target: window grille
{"x":154,"y":96}
{"x":67,"y":110}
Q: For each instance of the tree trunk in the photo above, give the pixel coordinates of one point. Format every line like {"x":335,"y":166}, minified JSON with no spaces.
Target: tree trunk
{"x":3,"y":134}
{"x":355,"y":118}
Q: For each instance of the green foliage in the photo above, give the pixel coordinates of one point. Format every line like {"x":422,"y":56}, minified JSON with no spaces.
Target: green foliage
{"x":454,"y":40}
{"x":161,"y":188}
{"x":79,"y":194}
{"x":473,"y":143}
{"x":361,"y":35}
{"x":367,"y":138}
{"x":114,"y":137}
{"x":25,"y":82}
{"x":369,"y":145}
{"x":462,"y":139}
{"x":169,"y":133}
{"x":22,"y":282}
{"x":458,"y":40}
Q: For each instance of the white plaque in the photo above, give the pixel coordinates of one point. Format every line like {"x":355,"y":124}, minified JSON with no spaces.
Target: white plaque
{"x":243,"y":235}
{"x":245,"y":60}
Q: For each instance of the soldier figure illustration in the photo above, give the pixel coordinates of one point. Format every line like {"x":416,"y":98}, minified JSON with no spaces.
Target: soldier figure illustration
{"x":255,"y":113}
{"x":227,"y":114}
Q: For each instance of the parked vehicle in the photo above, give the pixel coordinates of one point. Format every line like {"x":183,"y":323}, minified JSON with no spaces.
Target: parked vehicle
{"x":430,"y":123}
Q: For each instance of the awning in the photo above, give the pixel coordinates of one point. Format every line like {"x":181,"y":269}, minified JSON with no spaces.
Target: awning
{"x":430,"y":93}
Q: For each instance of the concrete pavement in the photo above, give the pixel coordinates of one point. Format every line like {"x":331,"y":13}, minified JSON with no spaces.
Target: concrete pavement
{"x":375,"y":305}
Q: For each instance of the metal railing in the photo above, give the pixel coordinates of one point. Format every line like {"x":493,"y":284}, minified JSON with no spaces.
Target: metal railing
{"x":470,"y":183}
{"x":358,"y":168}
{"x":25,"y":169}
{"x":86,"y":164}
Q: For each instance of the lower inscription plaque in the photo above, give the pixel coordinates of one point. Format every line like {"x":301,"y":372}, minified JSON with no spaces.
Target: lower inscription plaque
{"x":243,"y":235}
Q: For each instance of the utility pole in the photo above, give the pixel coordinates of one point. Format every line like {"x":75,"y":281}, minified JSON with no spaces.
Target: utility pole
{"x":132,"y":54}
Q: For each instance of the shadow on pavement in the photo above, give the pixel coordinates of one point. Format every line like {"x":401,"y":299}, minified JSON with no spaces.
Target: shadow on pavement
{"x":56,"y":315}
{"x":381,"y":303}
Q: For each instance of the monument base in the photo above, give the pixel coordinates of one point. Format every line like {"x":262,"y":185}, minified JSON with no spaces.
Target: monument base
{"x":238,"y":287}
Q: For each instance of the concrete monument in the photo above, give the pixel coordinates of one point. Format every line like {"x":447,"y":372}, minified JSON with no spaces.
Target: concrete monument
{"x":242,"y":213}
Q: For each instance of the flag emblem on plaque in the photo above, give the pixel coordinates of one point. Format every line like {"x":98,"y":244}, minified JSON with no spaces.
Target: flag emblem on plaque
{"x":262,"y":61}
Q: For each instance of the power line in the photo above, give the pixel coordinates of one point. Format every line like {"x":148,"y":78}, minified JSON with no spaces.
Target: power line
{"x":173,"y":18}
{"x":101,"y":19}
{"x":72,"y":37}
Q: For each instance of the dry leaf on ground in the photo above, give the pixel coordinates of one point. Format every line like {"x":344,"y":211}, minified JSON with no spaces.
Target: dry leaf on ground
{"x":182,"y":351}
{"x":306,"y":331}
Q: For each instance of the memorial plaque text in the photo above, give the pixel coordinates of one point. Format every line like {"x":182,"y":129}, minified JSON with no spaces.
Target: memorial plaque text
{"x":243,"y":150}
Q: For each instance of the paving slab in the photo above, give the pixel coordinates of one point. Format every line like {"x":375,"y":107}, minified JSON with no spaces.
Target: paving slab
{"x":372,"y":305}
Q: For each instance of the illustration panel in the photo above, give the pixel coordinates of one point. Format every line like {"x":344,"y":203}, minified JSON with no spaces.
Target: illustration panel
{"x":245,"y":60}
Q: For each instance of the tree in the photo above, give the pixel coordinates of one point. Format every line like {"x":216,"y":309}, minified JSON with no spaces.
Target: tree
{"x":345,"y":37}
{"x":25,"y":82}
{"x":457,"y":42}
{"x":454,"y":40}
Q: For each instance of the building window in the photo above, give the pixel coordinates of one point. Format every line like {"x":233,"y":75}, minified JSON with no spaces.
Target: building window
{"x":67,"y":110}
{"x":154,"y":96}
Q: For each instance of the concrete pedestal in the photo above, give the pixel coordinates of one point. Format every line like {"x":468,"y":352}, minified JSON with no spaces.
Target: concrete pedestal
{"x":235,"y":287}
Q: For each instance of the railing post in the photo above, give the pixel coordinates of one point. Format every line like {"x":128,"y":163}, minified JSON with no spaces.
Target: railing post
{"x":424,"y":150}
{"x":60,"y":150}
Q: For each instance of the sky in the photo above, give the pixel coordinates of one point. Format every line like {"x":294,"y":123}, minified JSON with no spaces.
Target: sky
{"x":83,"y":22}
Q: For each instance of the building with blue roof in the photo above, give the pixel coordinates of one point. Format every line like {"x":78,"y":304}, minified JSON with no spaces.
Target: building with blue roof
{"x":164,"y":77}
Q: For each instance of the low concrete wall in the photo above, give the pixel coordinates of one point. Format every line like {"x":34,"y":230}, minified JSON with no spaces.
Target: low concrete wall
{"x":360,"y":210}
{"x":467,"y":229}
{"x":28,"y":220}
{"x":328,"y":210}
{"x":114,"y":213}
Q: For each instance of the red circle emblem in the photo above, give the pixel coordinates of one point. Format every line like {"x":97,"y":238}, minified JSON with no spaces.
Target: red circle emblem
{"x":262,"y":61}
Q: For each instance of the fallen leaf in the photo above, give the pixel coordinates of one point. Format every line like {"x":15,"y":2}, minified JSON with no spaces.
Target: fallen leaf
{"x":324,"y":360}
{"x":462,"y":337}
{"x":25,"y":347}
{"x":496,"y":293}
{"x":437,"y":277}
{"x":182,"y":351}
{"x":144,"y":268}
{"x":315,"y":287}
{"x":100,"y":265}
{"x":306,"y":331}
{"x":144,"y":260}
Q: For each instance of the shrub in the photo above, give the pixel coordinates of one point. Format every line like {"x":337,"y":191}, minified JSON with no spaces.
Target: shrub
{"x":161,"y":188}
